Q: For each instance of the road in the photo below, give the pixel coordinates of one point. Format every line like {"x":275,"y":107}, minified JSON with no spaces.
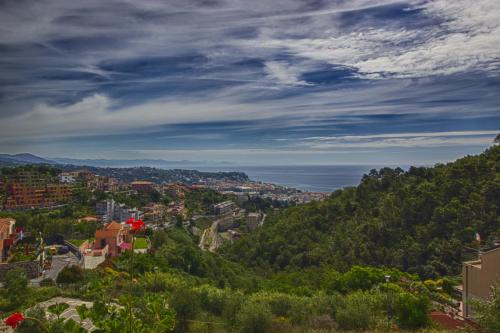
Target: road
{"x":58,"y":263}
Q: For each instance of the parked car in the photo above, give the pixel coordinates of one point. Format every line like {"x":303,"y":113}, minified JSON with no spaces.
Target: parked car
{"x":63,"y":249}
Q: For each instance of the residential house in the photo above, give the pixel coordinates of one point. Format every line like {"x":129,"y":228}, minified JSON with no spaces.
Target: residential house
{"x":115,"y":236}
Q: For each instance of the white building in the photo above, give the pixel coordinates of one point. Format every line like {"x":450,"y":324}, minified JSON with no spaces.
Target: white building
{"x":66,"y":177}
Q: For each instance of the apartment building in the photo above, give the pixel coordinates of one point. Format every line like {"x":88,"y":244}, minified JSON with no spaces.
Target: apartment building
{"x":224,"y":208}
{"x":26,"y":196}
{"x":142,"y":186}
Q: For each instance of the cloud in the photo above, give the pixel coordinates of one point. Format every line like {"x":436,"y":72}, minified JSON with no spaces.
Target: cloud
{"x":403,"y":140}
{"x":254,"y":71}
{"x":283,"y":73}
{"x":463,"y":38}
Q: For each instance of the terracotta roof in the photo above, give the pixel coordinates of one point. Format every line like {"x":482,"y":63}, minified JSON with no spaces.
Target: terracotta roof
{"x":110,"y":230}
{"x":446,"y":321}
{"x":113,"y":226}
{"x":5,"y":223}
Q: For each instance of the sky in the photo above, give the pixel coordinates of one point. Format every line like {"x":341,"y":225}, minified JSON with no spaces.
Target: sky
{"x":250,"y":82}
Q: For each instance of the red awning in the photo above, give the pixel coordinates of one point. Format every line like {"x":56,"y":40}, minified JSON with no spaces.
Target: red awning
{"x":8,"y":242}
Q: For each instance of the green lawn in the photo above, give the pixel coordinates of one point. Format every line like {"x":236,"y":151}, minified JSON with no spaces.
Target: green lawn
{"x":77,"y":242}
{"x":140,"y":243}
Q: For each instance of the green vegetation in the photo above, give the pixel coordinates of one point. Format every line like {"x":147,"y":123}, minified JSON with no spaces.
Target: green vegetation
{"x":61,"y":221}
{"x":140,"y":243}
{"x":70,"y":274}
{"x":200,"y":201}
{"x":355,"y":262}
{"x":488,"y":312}
{"x":419,"y":221}
{"x":77,"y":242}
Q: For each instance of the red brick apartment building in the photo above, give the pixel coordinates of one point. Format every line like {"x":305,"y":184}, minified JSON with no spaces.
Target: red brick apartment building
{"x":26,"y":191}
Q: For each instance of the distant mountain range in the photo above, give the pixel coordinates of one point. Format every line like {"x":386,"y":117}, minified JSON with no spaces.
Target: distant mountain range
{"x":27,"y":158}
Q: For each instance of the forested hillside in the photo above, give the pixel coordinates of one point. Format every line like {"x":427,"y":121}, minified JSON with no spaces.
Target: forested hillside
{"x":421,"y":221}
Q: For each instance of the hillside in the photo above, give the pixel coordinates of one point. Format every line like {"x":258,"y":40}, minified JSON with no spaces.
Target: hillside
{"x":420,"y":221}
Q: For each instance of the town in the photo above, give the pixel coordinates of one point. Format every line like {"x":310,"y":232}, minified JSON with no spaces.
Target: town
{"x":214,"y":209}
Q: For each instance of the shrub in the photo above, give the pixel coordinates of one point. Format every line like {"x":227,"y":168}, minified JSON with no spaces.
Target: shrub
{"x":359,"y":311}
{"x":254,"y":317}
{"x":47,"y":282}
{"x":70,"y":274}
{"x":29,"y":326}
{"x":488,"y":312}
{"x":411,"y":311}
{"x":323,"y":322}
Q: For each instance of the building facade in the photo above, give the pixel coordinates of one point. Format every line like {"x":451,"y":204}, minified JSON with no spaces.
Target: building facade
{"x":7,"y":237}
{"x":224,"y":208}
{"x":142,"y":186}
{"x":25,"y":196}
{"x":478,"y":278}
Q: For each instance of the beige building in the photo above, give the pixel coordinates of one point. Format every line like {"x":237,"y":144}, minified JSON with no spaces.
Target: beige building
{"x":479,"y":276}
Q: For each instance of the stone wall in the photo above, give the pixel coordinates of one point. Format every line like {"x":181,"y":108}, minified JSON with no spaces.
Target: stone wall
{"x":31,"y":268}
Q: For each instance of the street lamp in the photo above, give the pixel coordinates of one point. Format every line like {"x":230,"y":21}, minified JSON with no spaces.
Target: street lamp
{"x":155,"y":270}
{"x":388,"y":305}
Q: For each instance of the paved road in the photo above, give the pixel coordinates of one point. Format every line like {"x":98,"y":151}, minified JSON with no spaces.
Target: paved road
{"x":58,"y":263}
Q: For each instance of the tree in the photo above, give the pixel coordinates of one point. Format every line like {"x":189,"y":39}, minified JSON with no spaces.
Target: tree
{"x":16,"y":286}
{"x":186,"y":304}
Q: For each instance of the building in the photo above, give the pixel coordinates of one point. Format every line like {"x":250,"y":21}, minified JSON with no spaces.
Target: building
{"x":123,"y":213}
{"x":155,"y":213}
{"x":110,"y":210}
{"x":479,"y":276}
{"x":7,"y":237}
{"x":67,"y":177}
{"x":176,"y":191}
{"x":142,"y":186}
{"x":114,"y":238}
{"x":106,"y":209}
{"x":226,"y":222}
{"x":253,"y":220}
{"x":224,"y":208}
{"x":26,"y":196}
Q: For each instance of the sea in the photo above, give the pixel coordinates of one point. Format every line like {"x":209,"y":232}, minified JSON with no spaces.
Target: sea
{"x":313,"y":178}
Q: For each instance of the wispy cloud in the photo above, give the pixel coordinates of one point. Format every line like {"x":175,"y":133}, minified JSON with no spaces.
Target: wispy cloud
{"x":390,"y":140}
{"x":262,"y":73}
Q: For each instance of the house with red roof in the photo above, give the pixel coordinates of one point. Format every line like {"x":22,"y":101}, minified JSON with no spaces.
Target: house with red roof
{"x":115,"y":237}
